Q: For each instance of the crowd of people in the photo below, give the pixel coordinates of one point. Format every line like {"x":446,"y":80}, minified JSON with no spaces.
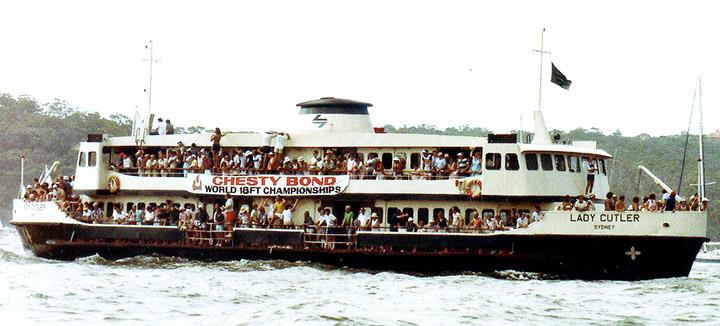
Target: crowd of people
{"x":666,"y":202}
{"x":278,"y":212}
{"x":59,"y":190}
{"x":181,"y":160}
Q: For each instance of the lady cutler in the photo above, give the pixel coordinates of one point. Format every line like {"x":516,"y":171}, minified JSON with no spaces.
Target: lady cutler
{"x":604,"y":217}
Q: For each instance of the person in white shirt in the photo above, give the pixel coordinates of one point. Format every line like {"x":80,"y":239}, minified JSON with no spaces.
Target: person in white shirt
{"x":375,"y":222}
{"x":313,"y":162}
{"x":244,"y":217}
{"x":172,"y":163}
{"x":581,"y":204}
{"x":535,"y":215}
{"x":151,"y":166}
{"x":522,"y":221}
{"x":162,"y":127}
{"x":287,"y":213}
{"x":257,"y":161}
{"x":591,"y":170}
{"x":426,"y":163}
{"x":330,"y":218}
{"x":363,"y":219}
{"x":280,"y":140}
{"x":162,"y":165}
{"x":351,"y":165}
{"x":127,"y":162}
{"x":652,"y":205}
{"x":118,"y":215}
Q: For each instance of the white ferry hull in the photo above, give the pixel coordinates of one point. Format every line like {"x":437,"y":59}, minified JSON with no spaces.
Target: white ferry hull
{"x":638,"y":247}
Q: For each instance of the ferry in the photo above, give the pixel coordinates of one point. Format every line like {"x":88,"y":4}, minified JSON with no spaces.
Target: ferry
{"x":413,"y":218}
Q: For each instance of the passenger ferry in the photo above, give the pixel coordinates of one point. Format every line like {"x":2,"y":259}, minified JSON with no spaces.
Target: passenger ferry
{"x":413,"y":217}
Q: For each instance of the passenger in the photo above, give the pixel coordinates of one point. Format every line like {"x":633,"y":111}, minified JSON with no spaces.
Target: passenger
{"x":591,"y":203}
{"x":566,"y":205}
{"x":671,"y":202}
{"x":229,"y":209}
{"x":705,"y":204}
{"x":287,"y":166}
{"x":287,"y":213}
{"x":463,"y":166}
{"x":187,"y":159}
{"x":536,"y":215}
{"x":172,"y":163}
{"x":499,"y":225}
{"x":254,"y":216}
{"x":489,"y":221}
{"x":475,"y":221}
{"x":161,"y":127}
{"x":581,"y":204}
{"x":426,"y":164}
{"x":57,"y":193}
{"x":398,"y":168}
{"x":433,"y":227}
{"x":87,"y":216}
{"x":127,"y":162}
{"x":97,"y":214}
{"x":451,"y":167}
{"x":169,"y":128}
{"x":664,"y":195}
{"x":620,"y":204}
{"x":402,"y":218}
{"x":348,"y":218}
{"x":150,"y":163}
{"x":78,"y":213}
{"x":307,"y":219}
{"x":359,"y":168}
{"x":160,"y":218}
{"x":313,"y":167}
{"x":185,"y":218}
{"x":119,"y":215}
{"x":455,"y":218}
{"x":201,"y":218}
{"x":609,"y":202}
{"x":263,"y":220}
{"x":281,"y":139}
{"x":328,"y":163}
{"x":652,"y":205}
{"x":244,"y":217}
{"x":351,"y":165}
{"x":683,"y":205}
{"x":149,"y":215}
{"x":161,"y":165}
{"x":363,"y":220}
{"x":411,"y":226}
{"x":340,"y":165}
{"x":379,"y":170}
{"x":421,"y":226}
{"x":522,"y":221}
{"x":204,"y":163}
{"x":278,"y":206}
{"x":635,"y":205}
{"x":215,"y":139}
{"x":331,"y":224}
{"x":370,"y":165}
{"x":591,"y":169}
{"x":439,"y":164}
{"x":375,"y":222}
{"x":442,"y":223}
{"x":219,"y":218}
{"x":476,"y":163}
{"x":644,"y":205}
{"x":393,"y":220}
{"x":694,"y":202}
{"x":257,"y":161}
